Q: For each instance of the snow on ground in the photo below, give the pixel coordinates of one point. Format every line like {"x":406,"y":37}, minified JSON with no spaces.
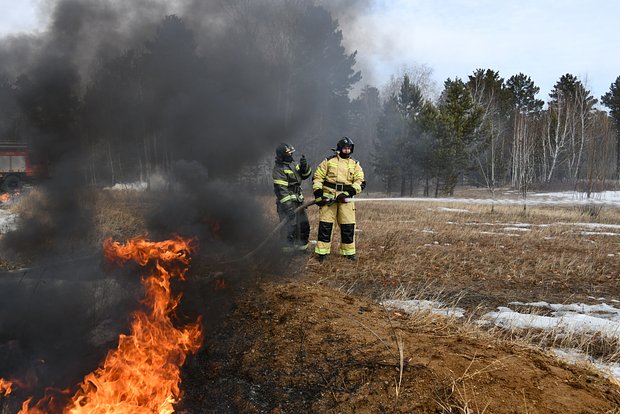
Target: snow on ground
{"x":412,"y":306}
{"x":8,"y":221}
{"x":609,"y":198}
{"x":582,"y":319}
{"x":566,"y":319}
{"x":135,"y":186}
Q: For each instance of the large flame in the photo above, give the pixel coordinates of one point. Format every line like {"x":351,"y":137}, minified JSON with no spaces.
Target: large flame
{"x":143,"y":374}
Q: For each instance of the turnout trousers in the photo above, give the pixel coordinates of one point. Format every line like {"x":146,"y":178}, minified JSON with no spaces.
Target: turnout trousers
{"x":344,"y":215}
{"x":296,"y":232}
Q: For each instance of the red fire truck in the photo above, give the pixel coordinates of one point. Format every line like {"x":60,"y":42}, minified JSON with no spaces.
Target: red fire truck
{"x":16,"y":167}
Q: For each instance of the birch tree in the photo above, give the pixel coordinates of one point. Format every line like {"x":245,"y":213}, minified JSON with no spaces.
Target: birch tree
{"x":569,"y":111}
{"x":526,"y":110}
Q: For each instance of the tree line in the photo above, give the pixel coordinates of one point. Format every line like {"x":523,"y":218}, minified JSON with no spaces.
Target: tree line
{"x":494,"y":132}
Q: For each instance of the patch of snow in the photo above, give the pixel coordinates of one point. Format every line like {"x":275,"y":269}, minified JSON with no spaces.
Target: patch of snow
{"x":8,"y":221}
{"x":602,"y":310}
{"x":568,"y":322}
{"x":574,"y":357}
{"x":413,"y":306}
{"x":500,"y":234}
{"x":609,"y":198}
{"x":598,"y":233}
{"x":454,"y":210}
{"x":135,"y":186}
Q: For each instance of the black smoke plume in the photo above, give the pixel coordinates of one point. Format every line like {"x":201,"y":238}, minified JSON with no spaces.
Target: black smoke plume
{"x":120,"y":91}
{"x":117,"y":91}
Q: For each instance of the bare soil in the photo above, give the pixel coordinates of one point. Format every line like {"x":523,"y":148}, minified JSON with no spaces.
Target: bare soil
{"x":301,"y":347}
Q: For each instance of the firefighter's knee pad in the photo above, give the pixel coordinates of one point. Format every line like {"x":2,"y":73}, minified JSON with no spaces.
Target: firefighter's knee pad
{"x":325,"y":231}
{"x":347,"y":233}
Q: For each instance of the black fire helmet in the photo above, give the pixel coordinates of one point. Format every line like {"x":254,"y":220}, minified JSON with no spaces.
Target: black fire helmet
{"x":345,"y":142}
{"x":284,"y":151}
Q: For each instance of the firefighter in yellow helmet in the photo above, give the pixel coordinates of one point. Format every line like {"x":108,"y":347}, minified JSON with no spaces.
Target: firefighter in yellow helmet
{"x":336,"y":180}
{"x":287,"y":177}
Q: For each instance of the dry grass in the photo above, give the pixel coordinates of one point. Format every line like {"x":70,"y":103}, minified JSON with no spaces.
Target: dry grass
{"x":117,"y":214}
{"x":459,"y":253}
{"x":456,"y":253}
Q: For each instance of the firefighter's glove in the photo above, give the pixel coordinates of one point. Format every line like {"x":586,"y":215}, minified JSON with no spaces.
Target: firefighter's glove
{"x":363,"y":185}
{"x":303,"y":163}
{"x":350,"y":190}
{"x":319,"y":198}
{"x":342,"y":198}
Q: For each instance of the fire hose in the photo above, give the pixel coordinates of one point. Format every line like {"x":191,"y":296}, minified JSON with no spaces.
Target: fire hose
{"x":277,"y":229}
{"x":282,"y":224}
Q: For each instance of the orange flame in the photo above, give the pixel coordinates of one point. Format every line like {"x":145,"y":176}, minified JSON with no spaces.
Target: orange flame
{"x":143,"y":374}
{"x":6,"y":387}
{"x":5,"y":197}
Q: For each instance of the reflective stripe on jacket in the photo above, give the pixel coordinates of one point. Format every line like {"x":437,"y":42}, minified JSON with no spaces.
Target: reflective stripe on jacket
{"x":287,"y":178}
{"x":338,"y":171}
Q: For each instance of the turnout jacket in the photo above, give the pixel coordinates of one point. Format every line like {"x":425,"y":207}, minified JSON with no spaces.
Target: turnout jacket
{"x":334,"y":173}
{"x":287,"y":178}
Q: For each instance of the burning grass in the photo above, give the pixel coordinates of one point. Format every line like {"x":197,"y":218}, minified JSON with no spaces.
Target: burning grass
{"x":142,"y":374}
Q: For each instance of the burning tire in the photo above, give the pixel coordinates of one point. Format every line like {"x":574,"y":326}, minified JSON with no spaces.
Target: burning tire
{"x":11,"y":184}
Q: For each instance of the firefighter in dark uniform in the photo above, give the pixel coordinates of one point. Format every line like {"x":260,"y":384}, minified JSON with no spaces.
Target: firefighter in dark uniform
{"x":336,"y":180}
{"x":287,"y":178}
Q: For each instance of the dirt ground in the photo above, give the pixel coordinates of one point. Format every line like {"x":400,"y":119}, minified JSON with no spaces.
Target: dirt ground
{"x":317,"y":340}
{"x":302,"y":347}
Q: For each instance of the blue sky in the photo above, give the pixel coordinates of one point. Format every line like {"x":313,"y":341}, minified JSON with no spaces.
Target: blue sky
{"x":540,"y":38}
{"x":17,"y":16}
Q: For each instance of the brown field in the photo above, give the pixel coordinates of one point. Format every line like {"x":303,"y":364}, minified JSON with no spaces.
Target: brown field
{"x":310,"y":337}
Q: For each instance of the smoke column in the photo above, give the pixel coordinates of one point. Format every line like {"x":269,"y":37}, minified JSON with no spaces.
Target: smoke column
{"x":117,"y":91}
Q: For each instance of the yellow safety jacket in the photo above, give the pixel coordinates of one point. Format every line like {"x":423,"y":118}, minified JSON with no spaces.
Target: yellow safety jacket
{"x":334,"y":173}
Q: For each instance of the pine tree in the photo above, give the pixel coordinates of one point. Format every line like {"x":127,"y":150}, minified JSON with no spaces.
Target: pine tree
{"x":612,"y":101}
{"x":391,"y":128}
{"x":523,"y":94}
{"x":492,"y":97}
{"x":398,"y":133}
{"x":457,"y":132}
{"x":365,"y":112}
